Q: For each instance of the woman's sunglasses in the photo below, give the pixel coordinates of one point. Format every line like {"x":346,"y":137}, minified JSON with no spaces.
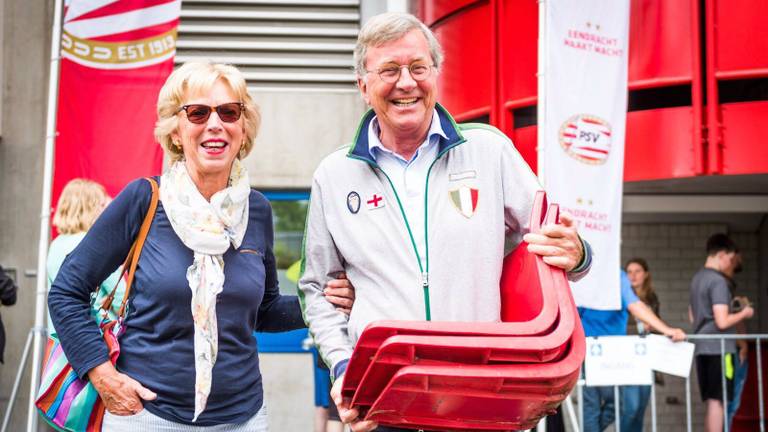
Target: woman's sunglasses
{"x":199,"y":113}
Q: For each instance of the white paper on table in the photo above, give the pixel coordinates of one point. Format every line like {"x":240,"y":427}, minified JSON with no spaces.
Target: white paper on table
{"x":673,"y":358}
{"x":617,"y":360}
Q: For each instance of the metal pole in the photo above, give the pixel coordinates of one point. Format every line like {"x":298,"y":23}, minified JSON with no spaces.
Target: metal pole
{"x":616,"y":407}
{"x":725,"y":389}
{"x":689,"y":427}
{"x":45,"y":213}
{"x":572,"y":414}
{"x":760,"y":384}
{"x":697,"y":96}
{"x":580,"y":393}
{"x":653,"y":404}
{"x":541,"y":113}
{"x":715,"y":155}
{"x":17,"y":382}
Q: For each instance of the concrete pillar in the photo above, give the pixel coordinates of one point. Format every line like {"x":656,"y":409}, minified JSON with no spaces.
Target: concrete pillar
{"x":24,"y":44}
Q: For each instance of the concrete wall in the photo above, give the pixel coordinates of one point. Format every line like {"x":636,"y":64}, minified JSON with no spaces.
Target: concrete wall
{"x":289,"y":390}
{"x":298,"y":130}
{"x":25,"y":51}
{"x":2,"y":63}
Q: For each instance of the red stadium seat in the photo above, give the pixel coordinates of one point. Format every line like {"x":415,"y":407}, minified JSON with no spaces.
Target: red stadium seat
{"x":476,"y":376}
{"x":487,"y":397}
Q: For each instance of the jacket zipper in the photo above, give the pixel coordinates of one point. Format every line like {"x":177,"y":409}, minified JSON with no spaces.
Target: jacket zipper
{"x":423,"y":269}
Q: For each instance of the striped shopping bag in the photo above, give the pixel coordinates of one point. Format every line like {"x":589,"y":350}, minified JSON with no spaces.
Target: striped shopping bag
{"x":65,"y":401}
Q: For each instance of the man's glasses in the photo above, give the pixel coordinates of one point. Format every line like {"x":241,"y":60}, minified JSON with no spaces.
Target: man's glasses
{"x":390,"y":73}
{"x":199,"y":113}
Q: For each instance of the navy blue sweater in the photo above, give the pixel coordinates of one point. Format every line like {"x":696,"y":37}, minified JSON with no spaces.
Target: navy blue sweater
{"x":157,"y":348}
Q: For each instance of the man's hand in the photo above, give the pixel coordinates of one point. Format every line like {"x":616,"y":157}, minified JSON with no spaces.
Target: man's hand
{"x":121,"y":394}
{"x":349,"y":415}
{"x":676,"y":334}
{"x":558,"y":244}
{"x":340,"y":293}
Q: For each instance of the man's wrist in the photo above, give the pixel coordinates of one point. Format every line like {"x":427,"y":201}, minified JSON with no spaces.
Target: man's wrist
{"x":339,"y":369}
{"x":586,"y":258}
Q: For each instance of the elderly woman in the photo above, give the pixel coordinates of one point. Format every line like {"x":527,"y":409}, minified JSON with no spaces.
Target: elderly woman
{"x":205,"y":281}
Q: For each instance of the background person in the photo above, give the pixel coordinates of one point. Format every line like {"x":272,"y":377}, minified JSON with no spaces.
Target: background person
{"x":205,"y":281}
{"x":599,"y":402}
{"x":634,"y":399}
{"x":80,"y":203}
{"x":740,"y":361}
{"x":417,"y":210}
{"x":709,"y":313}
{"x":8,"y":289}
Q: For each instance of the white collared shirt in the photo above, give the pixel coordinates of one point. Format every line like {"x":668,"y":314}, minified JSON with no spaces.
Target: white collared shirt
{"x":409,"y":177}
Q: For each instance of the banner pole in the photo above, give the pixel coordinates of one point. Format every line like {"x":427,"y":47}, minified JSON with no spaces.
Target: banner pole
{"x":45,"y":214}
{"x":540,"y":105}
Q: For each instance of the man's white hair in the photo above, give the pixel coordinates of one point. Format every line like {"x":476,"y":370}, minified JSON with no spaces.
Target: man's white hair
{"x":391,"y":26}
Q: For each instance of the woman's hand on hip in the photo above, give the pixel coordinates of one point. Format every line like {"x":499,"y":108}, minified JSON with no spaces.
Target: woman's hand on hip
{"x":122,"y":395}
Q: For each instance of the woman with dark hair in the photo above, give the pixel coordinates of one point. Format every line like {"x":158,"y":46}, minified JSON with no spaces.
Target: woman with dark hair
{"x":642,"y":284}
{"x":635,"y":398}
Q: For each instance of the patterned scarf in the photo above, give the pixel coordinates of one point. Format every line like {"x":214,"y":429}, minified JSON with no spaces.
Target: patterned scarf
{"x":207,"y":228}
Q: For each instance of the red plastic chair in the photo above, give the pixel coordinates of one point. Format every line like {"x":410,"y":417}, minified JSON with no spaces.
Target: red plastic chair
{"x":487,"y":397}
{"x":529,"y":307}
{"x":476,"y":376}
{"x":399,"y":351}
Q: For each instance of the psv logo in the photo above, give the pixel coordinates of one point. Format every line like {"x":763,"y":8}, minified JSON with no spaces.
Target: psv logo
{"x":107,"y":34}
{"x":586,"y":138}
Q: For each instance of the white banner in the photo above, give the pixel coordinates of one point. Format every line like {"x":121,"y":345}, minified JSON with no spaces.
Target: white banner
{"x":617,"y":360}
{"x":581,"y":130}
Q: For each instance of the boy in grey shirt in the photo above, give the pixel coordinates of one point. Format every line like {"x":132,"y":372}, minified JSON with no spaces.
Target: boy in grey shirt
{"x":709,"y":313}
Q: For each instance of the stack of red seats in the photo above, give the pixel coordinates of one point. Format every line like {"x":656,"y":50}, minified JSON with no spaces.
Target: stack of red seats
{"x":476,"y":376}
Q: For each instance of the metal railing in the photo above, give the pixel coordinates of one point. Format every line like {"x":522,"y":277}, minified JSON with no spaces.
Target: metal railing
{"x":689,"y":424}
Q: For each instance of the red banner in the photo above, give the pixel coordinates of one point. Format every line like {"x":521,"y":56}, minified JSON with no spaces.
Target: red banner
{"x":115,"y":57}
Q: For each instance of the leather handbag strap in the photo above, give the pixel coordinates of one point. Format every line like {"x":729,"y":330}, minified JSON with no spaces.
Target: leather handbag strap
{"x":132,"y":260}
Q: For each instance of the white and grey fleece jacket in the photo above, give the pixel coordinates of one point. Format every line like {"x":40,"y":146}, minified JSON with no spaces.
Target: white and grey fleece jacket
{"x":479,"y":192}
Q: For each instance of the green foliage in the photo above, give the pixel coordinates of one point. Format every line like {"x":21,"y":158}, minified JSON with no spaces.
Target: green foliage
{"x":289,"y":215}
{"x":289,"y":218}
{"x":285,"y":256}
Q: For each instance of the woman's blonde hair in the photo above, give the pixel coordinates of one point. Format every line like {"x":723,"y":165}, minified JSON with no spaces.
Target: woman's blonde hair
{"x":80,"y":203}
{"x":198,"y":77}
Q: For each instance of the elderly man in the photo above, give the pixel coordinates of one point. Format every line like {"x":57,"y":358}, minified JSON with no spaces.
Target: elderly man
{"x":417,"y":209}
